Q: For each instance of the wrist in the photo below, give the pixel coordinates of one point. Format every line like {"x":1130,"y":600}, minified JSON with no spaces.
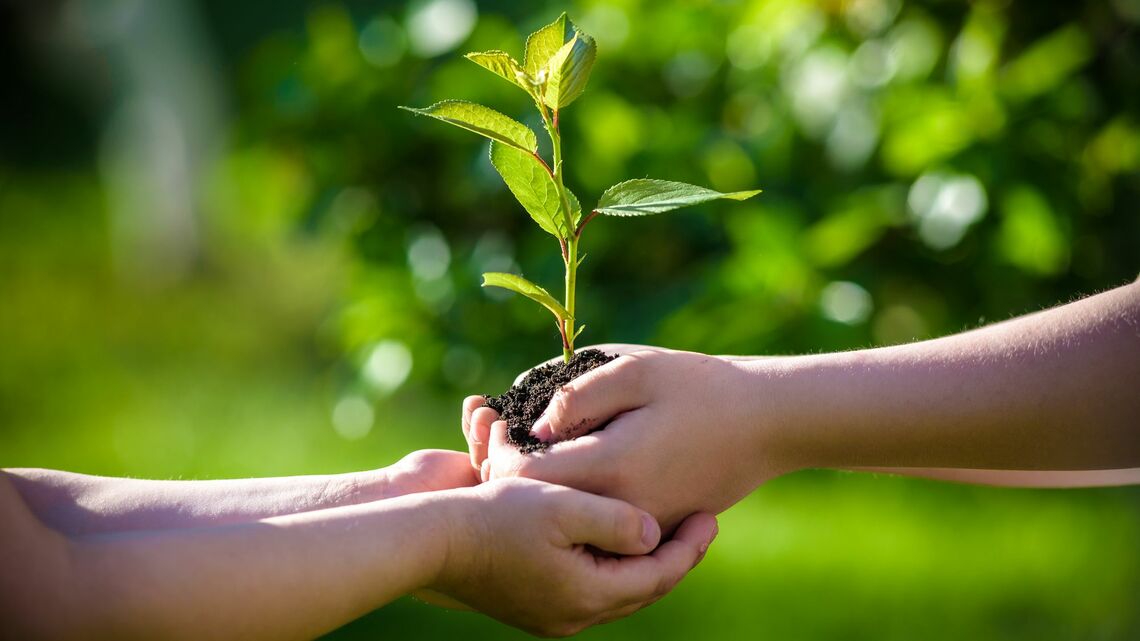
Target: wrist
{"x":778,"y":399}
{"x":355,"y":488}
{"x":816,"y":407}
{"x":454,"y":516}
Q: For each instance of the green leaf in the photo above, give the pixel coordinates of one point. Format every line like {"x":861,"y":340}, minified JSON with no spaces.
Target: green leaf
{"x":544,"y":43}
{"x":520,"y":285}
{"x":503,"y":65}
{"x":575,"y":207}
{"x":643,"y":196}
{"x":569,"y":70}
{"x":483,"y":121}
{"x":532,"y":185}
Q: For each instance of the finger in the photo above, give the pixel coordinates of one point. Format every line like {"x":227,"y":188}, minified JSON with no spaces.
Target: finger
{"x":609,"y":524}
{"x":470,"y":404}
{"x":588,"y":462}
{"x":499,"y":450}
{"x":481,"y":420}
{"x":636,"y":579}
{"x":592,"y":399}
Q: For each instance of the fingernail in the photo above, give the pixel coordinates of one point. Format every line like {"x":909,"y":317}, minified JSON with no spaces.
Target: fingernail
{"x":541,"y":429}
{"x":712,"y":537}
{"x":650,"y":531}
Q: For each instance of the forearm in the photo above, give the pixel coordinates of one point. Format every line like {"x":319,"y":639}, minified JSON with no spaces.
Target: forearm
{"x":1056,"y":390}
{"x":76,"y":504}
{"x":1017,"y":478}
{"x":294,"y":576}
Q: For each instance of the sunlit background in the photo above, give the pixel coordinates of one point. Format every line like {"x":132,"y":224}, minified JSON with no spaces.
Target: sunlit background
{"x":225,"y":252}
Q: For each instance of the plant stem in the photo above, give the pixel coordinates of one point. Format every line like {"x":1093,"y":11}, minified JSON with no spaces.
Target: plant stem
{"x":570,"y":244}
{"x":571,"y":286}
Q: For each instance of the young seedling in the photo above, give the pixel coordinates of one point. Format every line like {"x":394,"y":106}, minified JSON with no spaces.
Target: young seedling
{"x":554,"y":71}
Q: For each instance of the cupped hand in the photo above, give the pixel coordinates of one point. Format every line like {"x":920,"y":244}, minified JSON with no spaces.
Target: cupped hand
{"x":680,"y":435}
{"x":522,"y":552}
{"x":428,"y":471}
{"x":477,"y":419}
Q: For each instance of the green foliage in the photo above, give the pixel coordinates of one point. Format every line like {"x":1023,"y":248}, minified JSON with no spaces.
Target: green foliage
{"x":556,"y":67}
{"x":533,"y":186}
{"x":483,"y":121}
{"x":642,"y":196}
{"x":503,"y":65}
{"x":520,"y":285}
{"x":568,"y":70}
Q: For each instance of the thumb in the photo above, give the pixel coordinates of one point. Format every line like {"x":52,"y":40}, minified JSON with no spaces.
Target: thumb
{"x":609,"y":524}
{"x":592,"y":399}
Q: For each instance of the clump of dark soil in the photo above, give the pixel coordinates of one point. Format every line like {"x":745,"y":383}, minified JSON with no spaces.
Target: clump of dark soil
{"x":521,"y":405}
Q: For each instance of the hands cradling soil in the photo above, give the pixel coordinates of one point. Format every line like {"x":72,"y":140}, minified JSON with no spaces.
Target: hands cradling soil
{"x":634,"y":429}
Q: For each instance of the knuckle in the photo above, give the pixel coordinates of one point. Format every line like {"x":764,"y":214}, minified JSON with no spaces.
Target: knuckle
{"x":632,"y":369}
{"x":563,"y":402}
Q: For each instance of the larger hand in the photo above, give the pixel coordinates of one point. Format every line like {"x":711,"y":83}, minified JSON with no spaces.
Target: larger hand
{"x":519,"y":553}
{"x":678,"y":438}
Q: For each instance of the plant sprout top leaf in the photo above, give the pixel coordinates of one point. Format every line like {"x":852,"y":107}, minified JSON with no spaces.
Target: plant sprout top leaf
{"x":642,"y":196}
{"x":520,"y":285}
{"x":544,"y":43}
{"x":503,"y":65}
{"x":569,"y":70}
{"x":483,"y":121}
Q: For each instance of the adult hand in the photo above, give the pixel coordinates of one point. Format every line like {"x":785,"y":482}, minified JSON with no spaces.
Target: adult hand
{"x":680,"y":436}
{"x":477,"y":419}
{"x":520,"y":553}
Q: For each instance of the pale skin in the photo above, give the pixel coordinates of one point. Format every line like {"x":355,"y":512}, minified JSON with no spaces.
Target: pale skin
{"x":1049,"y":399}
{"x":94,"y":557}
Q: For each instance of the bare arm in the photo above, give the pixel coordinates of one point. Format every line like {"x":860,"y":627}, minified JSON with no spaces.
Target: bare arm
{"x":83,"y":504}
{"x":1048,"y":399}
{"x":1055,"y":390}
{"x":493,"y":547}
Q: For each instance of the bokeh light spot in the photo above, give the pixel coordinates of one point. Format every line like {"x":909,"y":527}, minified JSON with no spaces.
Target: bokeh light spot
{"x":352,"y":417}
{"x":846,"y":302}
{"x":438,"y":26}
{"x":382,"y":42}
{"x":388,"y":364}
{"x":944,"y":206}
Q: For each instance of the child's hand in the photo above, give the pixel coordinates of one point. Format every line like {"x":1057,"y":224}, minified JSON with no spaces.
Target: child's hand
{"x":428,"y":471}
{"x":520,"y":552}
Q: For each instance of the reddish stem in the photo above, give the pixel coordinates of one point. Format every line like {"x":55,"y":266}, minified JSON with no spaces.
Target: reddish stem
{"x":565,"y":251}
{"x":555,"y":119}
{"x":562,"y":330}
{"x":544,"y":165}
{"x":582,"y":225}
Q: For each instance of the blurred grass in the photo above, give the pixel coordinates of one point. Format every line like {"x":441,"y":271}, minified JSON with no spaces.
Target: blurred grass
{"x":181,"y":301}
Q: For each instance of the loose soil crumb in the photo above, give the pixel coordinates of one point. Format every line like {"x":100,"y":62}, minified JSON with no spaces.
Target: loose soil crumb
{"x":521,"y":405}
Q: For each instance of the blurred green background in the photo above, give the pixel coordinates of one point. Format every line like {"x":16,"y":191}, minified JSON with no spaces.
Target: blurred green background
{"x":225,"y":252}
